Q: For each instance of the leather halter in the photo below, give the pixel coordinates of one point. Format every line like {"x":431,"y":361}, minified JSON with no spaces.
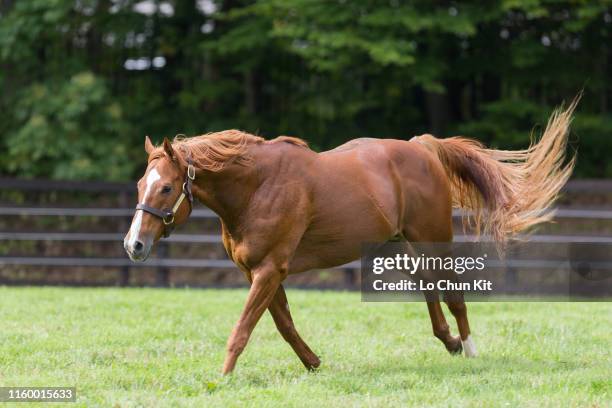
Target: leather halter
{"x":167,"y":215}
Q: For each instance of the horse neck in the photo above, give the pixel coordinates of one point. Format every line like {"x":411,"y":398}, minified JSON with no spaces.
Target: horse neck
{"x":227,"y":192}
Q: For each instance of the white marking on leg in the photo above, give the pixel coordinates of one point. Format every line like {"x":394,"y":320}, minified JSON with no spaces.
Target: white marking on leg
{"x":469,"y":347}
{"x":137,"y":223}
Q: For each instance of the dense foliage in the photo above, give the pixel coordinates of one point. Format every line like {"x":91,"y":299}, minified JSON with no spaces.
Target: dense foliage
{"x":84,"y":80}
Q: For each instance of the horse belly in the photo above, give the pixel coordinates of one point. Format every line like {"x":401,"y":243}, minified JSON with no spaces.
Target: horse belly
{"x":336,"y":237}
{"x":357,"y":199}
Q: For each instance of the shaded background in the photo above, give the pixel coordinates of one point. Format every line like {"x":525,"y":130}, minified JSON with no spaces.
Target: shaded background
{"x":84,"y":81}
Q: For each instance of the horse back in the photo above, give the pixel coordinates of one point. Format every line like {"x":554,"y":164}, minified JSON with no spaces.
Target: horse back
{"x":368,"y":190}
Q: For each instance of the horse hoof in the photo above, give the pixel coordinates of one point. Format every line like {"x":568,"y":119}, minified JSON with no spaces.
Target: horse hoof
{"x":456,"y":347}
{"x":457,"y":351}
{"x":313,"y":365}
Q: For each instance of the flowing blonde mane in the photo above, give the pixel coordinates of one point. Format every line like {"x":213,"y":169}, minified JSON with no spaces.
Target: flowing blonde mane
{"x":212,"y":151}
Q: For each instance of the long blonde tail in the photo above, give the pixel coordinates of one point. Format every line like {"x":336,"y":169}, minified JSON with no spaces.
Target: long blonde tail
{"x":507,"y":192}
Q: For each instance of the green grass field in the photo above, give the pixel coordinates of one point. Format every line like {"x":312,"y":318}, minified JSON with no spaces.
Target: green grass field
{"x":148,"y":347}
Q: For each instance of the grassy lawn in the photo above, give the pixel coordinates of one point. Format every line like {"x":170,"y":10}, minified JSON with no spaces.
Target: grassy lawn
{"x":148,"y":347}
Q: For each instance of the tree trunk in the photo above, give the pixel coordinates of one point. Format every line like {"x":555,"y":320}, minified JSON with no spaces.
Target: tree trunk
{"x":250,"y":91}
{"x":438,"y":112}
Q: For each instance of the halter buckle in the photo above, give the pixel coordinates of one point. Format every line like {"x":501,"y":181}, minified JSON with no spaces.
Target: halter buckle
{"x":168,"y":219}
{"x":191,"y":172}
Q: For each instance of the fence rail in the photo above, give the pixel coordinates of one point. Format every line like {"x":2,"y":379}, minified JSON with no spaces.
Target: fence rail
{"x":86,"y":212}
{"x":574,"y":186}
{"x":205,"y":213}
{"x":162,"y":263}
{"x":101,"y":237}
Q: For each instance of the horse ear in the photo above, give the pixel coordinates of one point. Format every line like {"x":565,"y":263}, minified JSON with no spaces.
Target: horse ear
{"x":168,"y":149}
{"x":148,"y":145}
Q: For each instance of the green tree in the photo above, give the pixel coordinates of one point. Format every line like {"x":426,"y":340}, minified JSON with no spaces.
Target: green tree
{"x":49,"y":139}
{"x":324,"y":70}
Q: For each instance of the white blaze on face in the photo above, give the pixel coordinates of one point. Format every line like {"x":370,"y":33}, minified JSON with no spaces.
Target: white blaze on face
{"x":136,"y":224}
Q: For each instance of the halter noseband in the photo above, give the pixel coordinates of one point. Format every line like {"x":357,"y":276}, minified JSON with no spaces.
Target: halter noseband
{"x":167,"y":215}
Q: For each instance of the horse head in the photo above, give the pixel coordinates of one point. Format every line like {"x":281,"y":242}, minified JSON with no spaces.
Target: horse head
{"x":164,"y":199}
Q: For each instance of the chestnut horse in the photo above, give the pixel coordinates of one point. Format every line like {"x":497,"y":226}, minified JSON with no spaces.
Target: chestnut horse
{"x":286,"y":209}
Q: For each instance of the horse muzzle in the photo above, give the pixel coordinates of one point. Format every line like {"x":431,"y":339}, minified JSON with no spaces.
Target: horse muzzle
{"x":138,"y":250}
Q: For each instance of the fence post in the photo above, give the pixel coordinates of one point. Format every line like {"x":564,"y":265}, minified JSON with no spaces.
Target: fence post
{"x":349,"y":278}
{"x":124,"y":272}
{"x":162,"y":274}
{"x":511,"y":272}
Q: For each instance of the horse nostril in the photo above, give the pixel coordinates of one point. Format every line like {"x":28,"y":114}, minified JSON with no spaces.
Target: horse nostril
{"x":138,"y":246}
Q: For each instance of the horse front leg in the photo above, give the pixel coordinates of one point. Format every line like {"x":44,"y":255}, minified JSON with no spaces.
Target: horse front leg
{"x":279,"y":309}
{"x":265,"y":282}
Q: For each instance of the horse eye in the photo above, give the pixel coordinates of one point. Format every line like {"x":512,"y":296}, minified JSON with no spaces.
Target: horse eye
{"x":166,"y":189}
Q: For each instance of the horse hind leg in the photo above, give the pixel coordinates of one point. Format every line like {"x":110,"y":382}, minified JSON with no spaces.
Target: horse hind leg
{"x":454,"y":344}
{"x":457,"y":307}
{"x":441,"y":329}
{"x":279,"y":309}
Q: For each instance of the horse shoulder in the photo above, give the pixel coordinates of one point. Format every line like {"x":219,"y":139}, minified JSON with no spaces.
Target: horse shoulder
{"x":276,"y":217}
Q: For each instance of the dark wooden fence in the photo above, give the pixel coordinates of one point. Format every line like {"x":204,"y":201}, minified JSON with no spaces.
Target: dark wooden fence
{"x":126,"y":193}
{"x":162,"y":263}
